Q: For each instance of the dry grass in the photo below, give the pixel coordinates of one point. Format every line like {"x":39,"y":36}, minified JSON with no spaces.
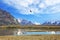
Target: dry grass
{"x":31,"y":37}
{"x":32,"y":27}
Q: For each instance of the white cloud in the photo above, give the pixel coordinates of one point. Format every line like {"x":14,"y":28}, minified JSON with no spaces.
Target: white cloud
{"x":51,"y":2}
{"x":36,"y":23}
{"x":53,"y":9}
{"x":42,"y":5}
{"x":36,"y":6}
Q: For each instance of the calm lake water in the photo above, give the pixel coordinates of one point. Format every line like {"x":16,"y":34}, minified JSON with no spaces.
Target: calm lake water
{"x":36,"y":33}
{"x":24,"y":32}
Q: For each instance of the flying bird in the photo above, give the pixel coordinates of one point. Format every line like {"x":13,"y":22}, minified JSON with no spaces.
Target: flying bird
{"x":30,"y":10}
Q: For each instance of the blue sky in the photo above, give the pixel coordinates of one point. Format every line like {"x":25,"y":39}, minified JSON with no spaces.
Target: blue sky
{"x":41,"y":10}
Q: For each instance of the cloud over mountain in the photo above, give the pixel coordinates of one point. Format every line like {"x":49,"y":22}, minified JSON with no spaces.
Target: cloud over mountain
{"x":36,"y":6}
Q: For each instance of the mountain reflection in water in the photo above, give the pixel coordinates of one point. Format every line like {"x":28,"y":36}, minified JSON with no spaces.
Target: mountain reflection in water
{"x":18,"y":32}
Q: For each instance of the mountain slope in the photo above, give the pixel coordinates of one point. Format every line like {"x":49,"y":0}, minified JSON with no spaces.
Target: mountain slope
{"x":25,"y":22}
{"x":6,"y":18}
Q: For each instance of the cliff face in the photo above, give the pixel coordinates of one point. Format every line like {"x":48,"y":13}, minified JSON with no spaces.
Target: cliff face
{"x":6,"y":18}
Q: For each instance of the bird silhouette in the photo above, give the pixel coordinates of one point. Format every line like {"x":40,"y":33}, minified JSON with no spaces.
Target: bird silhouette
{"x":30,"y":10}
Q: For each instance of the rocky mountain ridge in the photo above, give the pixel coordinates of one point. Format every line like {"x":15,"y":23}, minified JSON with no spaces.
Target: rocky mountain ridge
{"x":52,"y":23}
{"x":6,"y":18}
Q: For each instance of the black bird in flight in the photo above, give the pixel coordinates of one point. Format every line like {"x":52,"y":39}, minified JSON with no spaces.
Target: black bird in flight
{"x":30,"y":10}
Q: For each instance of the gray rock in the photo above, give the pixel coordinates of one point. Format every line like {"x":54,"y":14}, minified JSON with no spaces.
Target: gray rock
{"x":6,"y":18}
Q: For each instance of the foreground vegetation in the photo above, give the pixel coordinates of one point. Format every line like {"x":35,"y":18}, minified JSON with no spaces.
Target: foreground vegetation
{"x":31,"y":37}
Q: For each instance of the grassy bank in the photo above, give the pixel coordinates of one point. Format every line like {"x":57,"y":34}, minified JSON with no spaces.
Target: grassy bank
{"x":31,"y":37}
{"x":32,"y":27}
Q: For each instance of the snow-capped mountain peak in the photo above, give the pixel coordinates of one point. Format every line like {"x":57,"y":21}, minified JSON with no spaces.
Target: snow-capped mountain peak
{"x":19,"y":20}
{"x":52,"y":23}
{"x":24,"y":22}
{"x":36,"y":23}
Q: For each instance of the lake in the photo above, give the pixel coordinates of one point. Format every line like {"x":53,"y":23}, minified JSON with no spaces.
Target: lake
{"x":19,"y":32}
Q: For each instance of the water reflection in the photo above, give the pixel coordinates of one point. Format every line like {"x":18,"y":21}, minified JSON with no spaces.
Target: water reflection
{"x":24,"y":32}
{"x":19,"y":32}
{"x":51,"y":32}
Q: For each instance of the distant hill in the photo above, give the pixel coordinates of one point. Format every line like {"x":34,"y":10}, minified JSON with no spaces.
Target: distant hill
{"x":51,"y":23}
{"x":6,"y":18}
